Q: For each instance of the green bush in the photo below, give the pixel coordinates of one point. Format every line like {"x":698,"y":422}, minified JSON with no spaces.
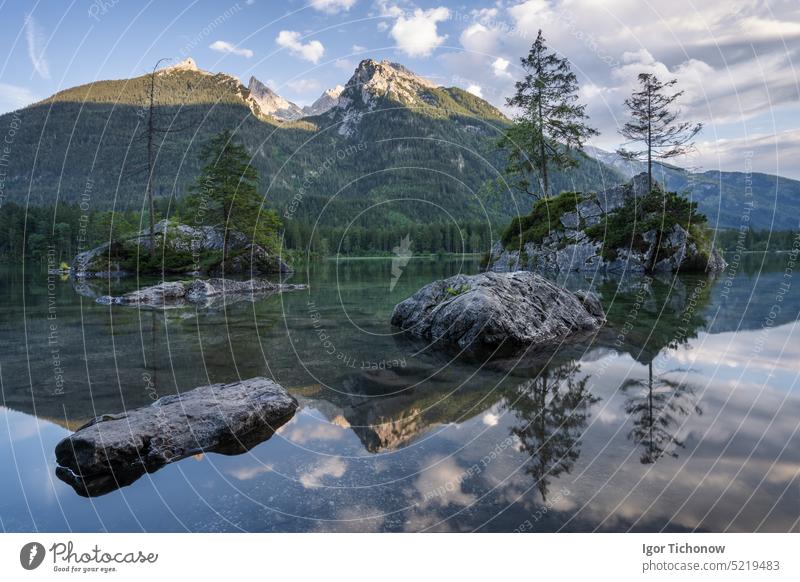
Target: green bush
{"x":657,"y":211}
{"x":543,"y":219}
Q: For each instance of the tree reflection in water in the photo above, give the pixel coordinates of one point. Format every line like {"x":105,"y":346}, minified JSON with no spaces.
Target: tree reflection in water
{"x":554,"y":408}
{"x":658,"y":406}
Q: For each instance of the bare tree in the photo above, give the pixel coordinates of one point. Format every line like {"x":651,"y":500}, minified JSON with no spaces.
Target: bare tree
{"x":152,"y":129}
{"x":654,"y":124}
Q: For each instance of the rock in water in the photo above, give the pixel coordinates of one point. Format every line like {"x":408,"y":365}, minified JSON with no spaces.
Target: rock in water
{"x":584,"y":232}
{"x":200,"y":292}
{"x":493,"y":309}
{"x":114,"y":450}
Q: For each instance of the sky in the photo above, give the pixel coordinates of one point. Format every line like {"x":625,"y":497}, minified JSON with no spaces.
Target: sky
{"x":734,"y":59}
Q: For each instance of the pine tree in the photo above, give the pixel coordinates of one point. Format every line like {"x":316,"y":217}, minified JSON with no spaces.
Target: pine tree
{"x":654,"y":124}
{"x":552,"y":125}
{"x":225,"y":193}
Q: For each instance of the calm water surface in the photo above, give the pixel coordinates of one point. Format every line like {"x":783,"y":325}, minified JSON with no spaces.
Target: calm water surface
{"x":682,"y":414}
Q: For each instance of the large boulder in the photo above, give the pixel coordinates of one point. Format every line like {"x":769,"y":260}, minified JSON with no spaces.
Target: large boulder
{"x":114,"y":450}
{"x":494,"y":309}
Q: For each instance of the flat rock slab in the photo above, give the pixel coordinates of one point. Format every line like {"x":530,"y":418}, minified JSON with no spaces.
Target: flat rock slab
{"x":492,"y":309}
{"x":197,"y":292}
{"x":114,"y":450}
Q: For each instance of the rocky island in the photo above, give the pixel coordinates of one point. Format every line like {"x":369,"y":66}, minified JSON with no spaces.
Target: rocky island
{"x":179,"y":248}
{"x":622,"y":229}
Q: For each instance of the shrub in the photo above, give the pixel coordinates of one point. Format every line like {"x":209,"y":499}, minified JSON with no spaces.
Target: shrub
{"x":657,"y":211}
{"x":543,"y":219}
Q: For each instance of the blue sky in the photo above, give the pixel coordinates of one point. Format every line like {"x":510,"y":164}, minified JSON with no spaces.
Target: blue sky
{"x":735,"y":59}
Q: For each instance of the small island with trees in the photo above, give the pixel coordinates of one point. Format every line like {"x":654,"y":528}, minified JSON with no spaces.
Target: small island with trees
{"x":635,"y":227}
{"x":221,"y":228}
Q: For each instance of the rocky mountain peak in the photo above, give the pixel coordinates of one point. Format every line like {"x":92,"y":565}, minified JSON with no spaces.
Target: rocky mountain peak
{"x":187,"y":64}
{"x":374,"y":81}
{"x":378,"y":76}
{"x":327,"y":101}
{"x":334,"y":92}
{"x":271,"y":103}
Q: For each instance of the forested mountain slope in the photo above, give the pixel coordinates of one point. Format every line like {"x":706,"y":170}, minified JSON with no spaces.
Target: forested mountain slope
{"x":413,"y":151}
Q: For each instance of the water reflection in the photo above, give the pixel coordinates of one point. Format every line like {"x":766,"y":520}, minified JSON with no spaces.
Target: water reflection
{"x":369,"y":444}
{"x":554,"y":409}
{"x":117,"y":476}
{"x":652,"y":316}
{"x":658,"y":407}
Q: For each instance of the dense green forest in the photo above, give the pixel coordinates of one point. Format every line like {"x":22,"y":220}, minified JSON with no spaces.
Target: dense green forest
{"x":758,"y":240}
{"x":67,"y":229}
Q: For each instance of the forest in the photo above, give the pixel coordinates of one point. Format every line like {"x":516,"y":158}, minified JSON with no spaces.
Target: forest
{"x":68,"y":229}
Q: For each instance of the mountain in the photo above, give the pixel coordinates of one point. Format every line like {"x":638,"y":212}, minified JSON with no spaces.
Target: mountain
{"x":394,"y":150}
{"x":628,"y":168}
{"x":724,"y":197}
{"x":381,"y":89}
{"x":271,"y":103}
{"x":326,"y":101}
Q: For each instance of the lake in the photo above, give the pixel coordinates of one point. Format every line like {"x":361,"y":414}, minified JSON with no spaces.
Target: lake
{"x":682,"y":414}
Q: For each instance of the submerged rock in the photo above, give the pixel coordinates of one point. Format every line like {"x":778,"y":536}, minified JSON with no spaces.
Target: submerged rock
{"x":197,"y":292}
{"x":114,"y":450}
{"x":494,"y":309}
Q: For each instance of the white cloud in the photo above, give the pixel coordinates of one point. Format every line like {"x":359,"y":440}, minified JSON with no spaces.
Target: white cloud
{"x":388,"y":8}
{"x":771,"y":153}
{"x":500,"y":67}
{"x":223,"y":46}
{"x":36,"y":43}
{"x":490,"y":419}
{"x":417,"y":34}
{"x":530,"y":15}
{"x":439,"y":484}
{"x":311,"y":51}
{"x":332,"y":6}
{"x":303,"y":85}
{"x":247,"y":473}
{"x":475,"y":90}
{"x":481,"y":39}
{"x":13,"y":97}
{"x":331,"y":467}
{"x":357,"y":48}
{"x":318,"y":431}
{"x":484,"y":15}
